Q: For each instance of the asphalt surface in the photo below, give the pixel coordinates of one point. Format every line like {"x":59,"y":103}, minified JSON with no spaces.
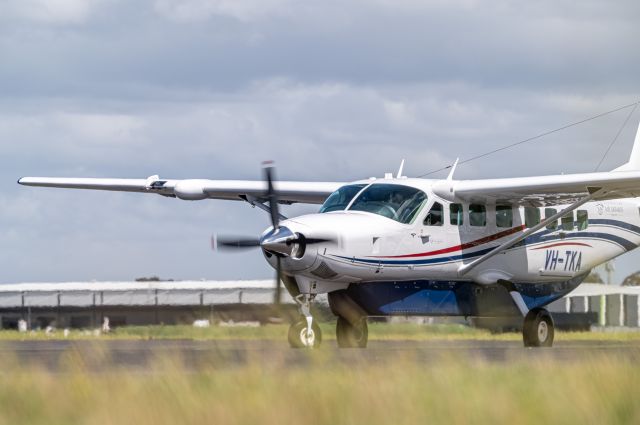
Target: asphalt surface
{"x":148,"y":355}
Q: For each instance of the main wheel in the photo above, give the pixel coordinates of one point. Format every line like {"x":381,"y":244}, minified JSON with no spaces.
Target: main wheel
{"x":352,"y":336}
{"x":538,"y":329}
{"x":300,"y":336}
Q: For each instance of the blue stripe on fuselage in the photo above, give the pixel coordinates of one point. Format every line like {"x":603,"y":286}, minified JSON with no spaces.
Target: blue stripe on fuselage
{"x":616,"y":223}
{"x":544,"y":236}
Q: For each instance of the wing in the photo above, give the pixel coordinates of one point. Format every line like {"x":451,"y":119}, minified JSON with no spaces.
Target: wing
{"x":543,"y":190}
{"x":288,"y":191}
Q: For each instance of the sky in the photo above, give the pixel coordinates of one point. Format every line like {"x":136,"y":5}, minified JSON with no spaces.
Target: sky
{"x":330,"y":90}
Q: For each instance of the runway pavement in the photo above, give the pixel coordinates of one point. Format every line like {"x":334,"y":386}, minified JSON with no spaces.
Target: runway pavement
{"x":146,"y":355}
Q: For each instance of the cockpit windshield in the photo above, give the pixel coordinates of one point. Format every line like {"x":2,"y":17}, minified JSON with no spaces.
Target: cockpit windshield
{"x":339,"y":199}
{"x":399,"y":203}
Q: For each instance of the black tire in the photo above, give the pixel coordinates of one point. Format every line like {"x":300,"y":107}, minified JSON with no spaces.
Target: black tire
{"x":538,"y":329}
{"x":297,"y":332}
{"x":352,"y":336}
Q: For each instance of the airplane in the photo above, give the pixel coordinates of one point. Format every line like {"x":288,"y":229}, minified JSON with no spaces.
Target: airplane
{"x":433,"y":247}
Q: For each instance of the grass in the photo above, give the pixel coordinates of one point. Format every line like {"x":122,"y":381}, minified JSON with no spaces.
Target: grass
{"x":377,"y":331}
{"x":321,"y":387}
{"x":596,"y":391}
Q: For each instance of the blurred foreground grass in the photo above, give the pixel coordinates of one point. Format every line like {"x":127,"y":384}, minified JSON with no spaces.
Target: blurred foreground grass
{"x":377,"y":331}
{"x":600,"y":390}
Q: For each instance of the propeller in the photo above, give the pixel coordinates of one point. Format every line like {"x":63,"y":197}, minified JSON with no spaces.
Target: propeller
{"x":279,"y":242}
{"x":244,"y":243}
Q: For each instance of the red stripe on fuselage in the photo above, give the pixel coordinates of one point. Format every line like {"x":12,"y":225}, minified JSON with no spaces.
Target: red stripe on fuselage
{"x":563,"y":244}
{"x":461,"y":247}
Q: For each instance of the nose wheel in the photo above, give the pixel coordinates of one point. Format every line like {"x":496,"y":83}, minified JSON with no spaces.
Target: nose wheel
{"x":303,"y":336}
{"x":305,"y":333}
{"x":538,"y":329}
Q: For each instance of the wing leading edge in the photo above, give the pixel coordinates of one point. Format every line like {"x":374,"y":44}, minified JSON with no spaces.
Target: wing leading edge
{"x":193,"y":190}
{"x":543,"y":190}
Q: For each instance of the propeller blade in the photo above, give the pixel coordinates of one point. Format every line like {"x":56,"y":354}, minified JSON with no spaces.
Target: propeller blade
{"x":310,"y":241}
{"x":272,"y":196}
{"x":278,"y":294}
{"x":233,"y":243}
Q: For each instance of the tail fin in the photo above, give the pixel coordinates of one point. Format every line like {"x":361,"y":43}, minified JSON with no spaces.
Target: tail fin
{"x":634,"y":160}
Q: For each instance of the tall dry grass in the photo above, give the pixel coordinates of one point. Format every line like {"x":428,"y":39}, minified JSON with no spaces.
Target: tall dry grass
{"x":393,"y":390}
{"x":272,"y":332}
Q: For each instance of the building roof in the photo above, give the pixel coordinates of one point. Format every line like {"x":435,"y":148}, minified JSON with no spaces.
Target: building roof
{"x":595,"y":289}
{"x":137,"y":286}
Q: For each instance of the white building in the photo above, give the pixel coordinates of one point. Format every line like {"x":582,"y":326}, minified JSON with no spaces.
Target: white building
{"x":85,"y":304}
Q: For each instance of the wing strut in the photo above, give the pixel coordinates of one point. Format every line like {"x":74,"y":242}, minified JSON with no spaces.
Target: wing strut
{"x":254,"y":202}
{"x":466,"y":268}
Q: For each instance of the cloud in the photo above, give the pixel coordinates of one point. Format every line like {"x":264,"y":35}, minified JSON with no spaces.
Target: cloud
{"x":200,"y":10}
{"x":49,"y":11}
{"x":332,"y":90}
{"x":100,"y":128}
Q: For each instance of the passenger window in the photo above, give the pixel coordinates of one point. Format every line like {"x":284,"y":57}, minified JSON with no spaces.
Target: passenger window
{"x":504,"y":216}
{"x":583,"y":219}
{"x":548,"y":212}
{"x":567,"y":222}
{"x":477,"y":215}
{"x":531,"y":216}
{"x":434,"y":218}
{"x":455,"y":215}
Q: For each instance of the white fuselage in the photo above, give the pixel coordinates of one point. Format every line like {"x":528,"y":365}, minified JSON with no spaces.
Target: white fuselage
{"x":369,"y":247}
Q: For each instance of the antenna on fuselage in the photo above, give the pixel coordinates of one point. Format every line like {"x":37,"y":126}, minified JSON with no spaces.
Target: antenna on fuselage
{"x":453,"y":169}
{"x":399,"y":175}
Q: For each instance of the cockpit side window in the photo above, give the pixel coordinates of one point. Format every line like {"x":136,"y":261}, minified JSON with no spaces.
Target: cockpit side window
{"x":434,"y":217}
{"x":339,"y":200}
{"x":397,"y":202}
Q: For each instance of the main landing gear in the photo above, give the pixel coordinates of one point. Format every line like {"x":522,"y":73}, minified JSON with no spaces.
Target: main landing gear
{"x":538,"y":329}
{"x":351,"y":330}
{"x":352,"y":335}
{"x":305,"y":333}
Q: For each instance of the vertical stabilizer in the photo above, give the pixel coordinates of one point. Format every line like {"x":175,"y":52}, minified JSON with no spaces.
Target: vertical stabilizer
{"x":634,"y":160}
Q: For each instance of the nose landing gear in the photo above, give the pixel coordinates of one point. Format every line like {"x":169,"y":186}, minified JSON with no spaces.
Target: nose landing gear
{"x":305,"y":333}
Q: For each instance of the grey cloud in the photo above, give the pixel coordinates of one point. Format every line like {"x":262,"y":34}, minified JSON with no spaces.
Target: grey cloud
{"x":330,"y":90}
{"x":488,"y":44}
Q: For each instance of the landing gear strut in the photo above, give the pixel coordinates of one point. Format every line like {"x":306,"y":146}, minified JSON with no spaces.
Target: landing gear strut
{"x":538,"y":329}
{"x":305,"y":333}
{"x":352,"y":335}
